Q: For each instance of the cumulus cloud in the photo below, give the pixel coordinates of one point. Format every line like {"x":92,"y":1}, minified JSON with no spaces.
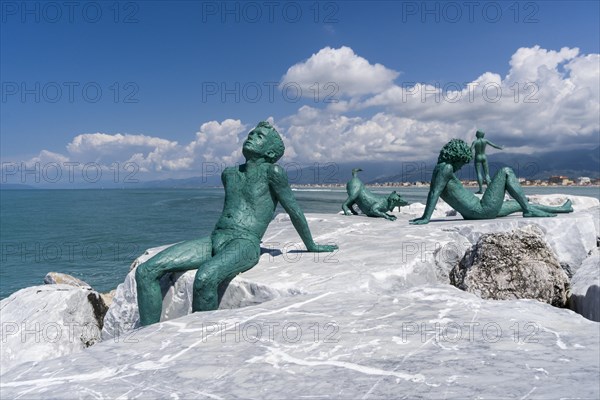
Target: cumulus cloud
{"x":218,"y":142}
{"x":547,"y":100}
{"x":215,"y":142}
{"x":350,"y":74}
{"x":323,"y":137}
{"x":150,"y":153}
{"x":46,"y":157}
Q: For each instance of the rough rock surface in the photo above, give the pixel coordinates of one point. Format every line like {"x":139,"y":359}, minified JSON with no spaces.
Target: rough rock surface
{"x":48,"y":321}
{"x":419,"y":255}
{"x":428,"y":342}
{"x":52,"y":278}
{"x":580,"y":203}
{"x":123,"y":314}
{"x":108,"y":297}
{"x":512,"y":265}
{"x":585,"y":288}
{"x":369,"y":321}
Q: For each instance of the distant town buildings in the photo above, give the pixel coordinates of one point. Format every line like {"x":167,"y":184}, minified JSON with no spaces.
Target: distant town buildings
{"x":558,"y":180}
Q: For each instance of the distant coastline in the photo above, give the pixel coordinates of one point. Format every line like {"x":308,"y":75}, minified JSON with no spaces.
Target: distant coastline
{"x":426,"y":184}
{"x":15,"y":186}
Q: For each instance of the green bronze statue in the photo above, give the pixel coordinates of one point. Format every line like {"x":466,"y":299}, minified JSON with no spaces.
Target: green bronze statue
{"x":446,"y":185}
{"x":481,"y":164}
{"x":252,"y":191}
{"x":371,"y":204}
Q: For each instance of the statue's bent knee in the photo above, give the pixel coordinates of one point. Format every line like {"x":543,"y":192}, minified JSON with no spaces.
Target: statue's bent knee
{"x":204,"y":280}
{"x":144,"y":273}
{"x":507,"y":171}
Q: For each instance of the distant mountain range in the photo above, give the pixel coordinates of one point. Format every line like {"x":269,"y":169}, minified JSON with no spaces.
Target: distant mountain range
{"x":571,"y":163}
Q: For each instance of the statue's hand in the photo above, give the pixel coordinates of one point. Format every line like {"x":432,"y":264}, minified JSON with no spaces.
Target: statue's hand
{"x":419,"y":221}
{"x":322,"y":248}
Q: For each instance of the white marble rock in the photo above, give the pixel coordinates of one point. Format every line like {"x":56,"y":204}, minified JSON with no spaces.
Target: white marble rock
{"x":419,"y":254}
{"x":585,"y":288}
{"x":48,"y":321}
{"x":424,"y":342}
{"x":376,"y":319}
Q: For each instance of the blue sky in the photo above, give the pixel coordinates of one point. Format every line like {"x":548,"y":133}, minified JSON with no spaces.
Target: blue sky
{"x":161,"y":58}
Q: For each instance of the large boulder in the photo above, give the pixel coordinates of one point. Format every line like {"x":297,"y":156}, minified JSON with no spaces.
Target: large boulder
{"x":48,"y":321}
{"x":512,"y":265}
{"x":585,"y":288}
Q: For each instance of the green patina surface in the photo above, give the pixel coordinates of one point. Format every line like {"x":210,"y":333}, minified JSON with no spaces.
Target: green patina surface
{"x":252,"y":192}
{"x":480,"y":159}
{"x":371,"y":204}
{"x":445,"y":185}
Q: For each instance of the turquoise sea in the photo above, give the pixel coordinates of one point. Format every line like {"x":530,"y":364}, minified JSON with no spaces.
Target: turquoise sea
{"x":94,"y":235}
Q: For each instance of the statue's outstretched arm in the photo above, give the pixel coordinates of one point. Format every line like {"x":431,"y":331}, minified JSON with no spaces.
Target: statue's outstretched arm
{"x":278,"y":182}
{"x":494,"y":145}
{"x":441,"y":175}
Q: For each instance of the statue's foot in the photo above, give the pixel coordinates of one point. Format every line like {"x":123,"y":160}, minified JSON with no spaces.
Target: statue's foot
{"x":479,"y":192}
{"x":537,"y":213}
{"x":568,"y":206}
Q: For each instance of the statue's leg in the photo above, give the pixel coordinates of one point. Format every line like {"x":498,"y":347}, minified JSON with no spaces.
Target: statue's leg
{"x":348,"y":205}
{"x":479,"y":176}
{"x":236,"y":256}
{"x":493,"y":199}
{"x":180,"y":257}
{"x":486,"y":171}
{"x":381,"y":214}
{"x":511,"y":206}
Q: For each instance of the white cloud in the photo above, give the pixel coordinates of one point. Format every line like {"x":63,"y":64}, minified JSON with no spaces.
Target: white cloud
{"x":351,"y":74}
{"x":214,"y":142}
{"x":322,"y":137}
{"x":218,"y":142}
{"x":534,"y":63}
{"x":549,"y":100}
{"x":150,"y":153}
{"x":46,"y":157}
{"x":549,"y":97}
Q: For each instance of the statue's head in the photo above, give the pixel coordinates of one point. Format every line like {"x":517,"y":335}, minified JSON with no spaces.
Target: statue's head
{"x":456,"y":152}
{"x":479,"y":134}
{"x":395,"y":200}
{"x":263,"y":141}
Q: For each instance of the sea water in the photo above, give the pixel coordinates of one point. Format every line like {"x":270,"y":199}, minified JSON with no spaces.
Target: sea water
{"x":94,"y":235}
